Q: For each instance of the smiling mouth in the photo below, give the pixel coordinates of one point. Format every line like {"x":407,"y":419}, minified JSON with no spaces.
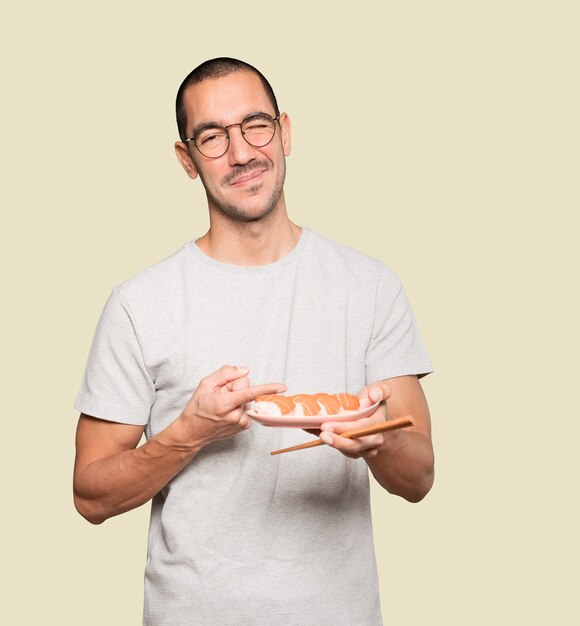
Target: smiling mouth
{"x":241,"y":174}
{"x":248,"y":178}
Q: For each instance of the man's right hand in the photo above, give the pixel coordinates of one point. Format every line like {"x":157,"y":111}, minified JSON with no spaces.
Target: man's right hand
{"x":217,"y":409}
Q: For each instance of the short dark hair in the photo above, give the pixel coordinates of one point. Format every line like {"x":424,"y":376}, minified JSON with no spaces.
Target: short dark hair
{"x":215,"y":68}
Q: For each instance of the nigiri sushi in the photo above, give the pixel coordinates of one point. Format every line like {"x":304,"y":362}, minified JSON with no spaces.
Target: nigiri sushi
{"x":347,"y":401}
{"x":274,"y":404}
{"x":329,"y":403}
{"x":309,"y":404}
{"x":302,"y":404}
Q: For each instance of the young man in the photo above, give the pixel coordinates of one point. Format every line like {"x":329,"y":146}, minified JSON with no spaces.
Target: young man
{"x":238,"y":536}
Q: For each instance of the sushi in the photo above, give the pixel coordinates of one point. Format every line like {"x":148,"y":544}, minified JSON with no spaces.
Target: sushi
{"x":302,"y":404}
{"x":274,"y":405}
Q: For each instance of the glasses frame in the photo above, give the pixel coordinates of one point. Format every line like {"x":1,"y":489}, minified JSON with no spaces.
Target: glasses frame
{"x":226,"y":128}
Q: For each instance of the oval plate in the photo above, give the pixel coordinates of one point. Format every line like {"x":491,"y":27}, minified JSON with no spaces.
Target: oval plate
{"x":310,"y":421}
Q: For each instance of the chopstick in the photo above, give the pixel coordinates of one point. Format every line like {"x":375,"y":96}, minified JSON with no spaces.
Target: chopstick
{"x":401,"y":422}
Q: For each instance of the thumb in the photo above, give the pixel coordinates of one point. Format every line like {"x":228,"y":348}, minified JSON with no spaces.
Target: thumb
{"x":380,"y":391}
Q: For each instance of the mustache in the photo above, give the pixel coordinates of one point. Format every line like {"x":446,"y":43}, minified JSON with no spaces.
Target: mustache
{"x":242,"y":170}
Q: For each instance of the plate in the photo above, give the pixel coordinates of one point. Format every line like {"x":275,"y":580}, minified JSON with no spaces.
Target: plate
{"x":310,"y":421}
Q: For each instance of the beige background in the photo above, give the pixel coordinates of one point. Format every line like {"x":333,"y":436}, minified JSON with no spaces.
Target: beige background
{"x":464,"y":179}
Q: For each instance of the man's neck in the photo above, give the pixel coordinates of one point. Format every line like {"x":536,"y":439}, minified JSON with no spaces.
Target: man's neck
{"x":250,"y":243}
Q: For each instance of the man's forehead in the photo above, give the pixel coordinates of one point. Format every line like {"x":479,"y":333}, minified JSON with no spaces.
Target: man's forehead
{"x":224,"y":99}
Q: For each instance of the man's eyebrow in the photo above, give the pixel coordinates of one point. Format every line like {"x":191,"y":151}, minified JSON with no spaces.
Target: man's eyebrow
{"x":203,"y":125}
{"x":213,"y":124}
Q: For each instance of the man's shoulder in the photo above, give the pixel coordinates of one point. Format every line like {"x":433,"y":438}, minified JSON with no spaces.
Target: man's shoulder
{"x":352,"y":259}
{"x":158,"y":276}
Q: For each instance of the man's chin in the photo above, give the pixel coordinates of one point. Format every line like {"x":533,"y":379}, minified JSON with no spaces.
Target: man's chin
{"x":250,"y":207}
{"x":250,"y":215}
{"x":246,"y":213}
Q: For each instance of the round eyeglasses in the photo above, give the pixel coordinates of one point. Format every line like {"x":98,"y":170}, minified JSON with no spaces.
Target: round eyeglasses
{"x":214,"y":141}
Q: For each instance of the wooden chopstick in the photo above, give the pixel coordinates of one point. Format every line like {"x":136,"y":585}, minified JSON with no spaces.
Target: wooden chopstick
{"x":401,"y":422}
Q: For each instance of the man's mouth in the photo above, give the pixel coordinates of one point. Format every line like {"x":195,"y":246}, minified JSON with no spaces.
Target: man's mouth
{"x":243,"y":174}
{"x":248,"y":178}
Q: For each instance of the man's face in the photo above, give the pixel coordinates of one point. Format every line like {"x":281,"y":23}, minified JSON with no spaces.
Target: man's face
{"x":246,"y":183}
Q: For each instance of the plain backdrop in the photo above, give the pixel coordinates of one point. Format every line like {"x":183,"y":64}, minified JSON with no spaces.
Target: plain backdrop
{"x":442,"y":137}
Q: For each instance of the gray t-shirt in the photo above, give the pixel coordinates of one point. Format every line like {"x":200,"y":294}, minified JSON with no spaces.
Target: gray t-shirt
{"x":240,"y":537}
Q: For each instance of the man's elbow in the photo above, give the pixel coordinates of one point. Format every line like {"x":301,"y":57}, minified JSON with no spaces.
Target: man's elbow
{"x":417,"y":492}
{"x":87,"y":510}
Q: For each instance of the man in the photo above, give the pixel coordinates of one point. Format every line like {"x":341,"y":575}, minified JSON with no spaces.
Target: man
{"x":238,"y":536}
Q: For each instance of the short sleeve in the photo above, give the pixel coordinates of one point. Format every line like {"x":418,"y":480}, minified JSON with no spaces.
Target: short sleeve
{"x":116,"y":385}
{"x":396,"y":347}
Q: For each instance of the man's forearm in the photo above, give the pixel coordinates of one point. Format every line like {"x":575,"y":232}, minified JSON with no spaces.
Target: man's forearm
{"x":404,"y":465}
{"x":113,"y":476}
{"x":126,"y":480}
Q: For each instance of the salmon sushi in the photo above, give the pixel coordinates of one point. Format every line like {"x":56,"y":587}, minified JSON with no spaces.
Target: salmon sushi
{"x":306,"y":405}
{"x":347,"y":401}
{"x":328,"y":402}
{"x":309,"y":403}
{"x":274,"y":404}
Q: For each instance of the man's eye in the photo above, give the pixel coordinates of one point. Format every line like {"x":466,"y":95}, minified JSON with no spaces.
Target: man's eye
{"x":258,"y":125}
{"x":209,"y":138}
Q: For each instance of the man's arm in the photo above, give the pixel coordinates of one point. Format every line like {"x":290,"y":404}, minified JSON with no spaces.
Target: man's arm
{"x":401,"y":461}
{"x":112,"y":475}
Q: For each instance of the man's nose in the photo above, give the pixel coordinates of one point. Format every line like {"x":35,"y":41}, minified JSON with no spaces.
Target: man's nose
{"x":240,"y":151}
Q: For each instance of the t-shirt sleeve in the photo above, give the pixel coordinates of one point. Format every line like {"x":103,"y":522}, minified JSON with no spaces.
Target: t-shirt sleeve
{"x":396,"y":347}
{"x":116,"y":385}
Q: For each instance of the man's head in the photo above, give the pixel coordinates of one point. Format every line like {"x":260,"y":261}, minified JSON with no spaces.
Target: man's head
{"x":215,"y":68}
{"x":245,"y":182}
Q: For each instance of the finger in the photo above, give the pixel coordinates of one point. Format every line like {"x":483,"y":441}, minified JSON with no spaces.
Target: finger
{"x":363,"y":394}
{"x":221,"y":377}
{"x":235,"y":415}
{"x":382,"y":388}
{"x":375,"y":394}
{"x":240,"y":383}
{"x":239,"y":417}
{"x":380,"y":415}
{"x":353,"y":447}
{"x":249,"y":394}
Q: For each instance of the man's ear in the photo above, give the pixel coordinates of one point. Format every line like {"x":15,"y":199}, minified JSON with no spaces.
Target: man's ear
{"x":285,"y":127}
{"x":185,"y":159}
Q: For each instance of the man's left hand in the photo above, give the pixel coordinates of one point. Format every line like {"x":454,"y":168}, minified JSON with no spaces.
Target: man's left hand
{"x":368,"y":446}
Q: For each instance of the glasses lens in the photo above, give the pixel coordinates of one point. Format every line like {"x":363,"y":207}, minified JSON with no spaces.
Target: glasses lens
{"x":258,"y":129}
{"x":212,"y":142}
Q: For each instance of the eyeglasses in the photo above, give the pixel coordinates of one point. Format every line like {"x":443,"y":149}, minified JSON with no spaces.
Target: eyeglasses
{"x":214,"y":141}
